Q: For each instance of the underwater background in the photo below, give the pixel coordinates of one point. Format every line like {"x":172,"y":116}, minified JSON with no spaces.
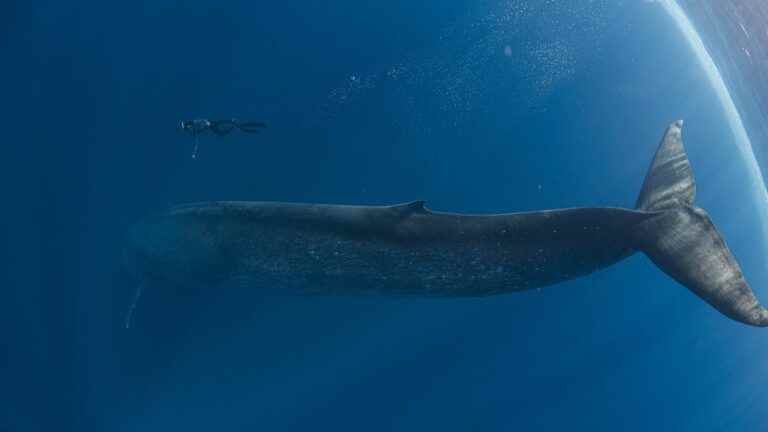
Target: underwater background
{"x":474,"y":106}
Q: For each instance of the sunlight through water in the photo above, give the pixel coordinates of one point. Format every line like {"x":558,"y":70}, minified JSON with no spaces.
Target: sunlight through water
{"x":734,"y":119}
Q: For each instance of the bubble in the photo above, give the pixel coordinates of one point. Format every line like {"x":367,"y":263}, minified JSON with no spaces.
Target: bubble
{"x":461,"y":71}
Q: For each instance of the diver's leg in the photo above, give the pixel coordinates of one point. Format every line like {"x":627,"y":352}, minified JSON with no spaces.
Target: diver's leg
{"x":222,"y":127}
{"x":197,"y":145}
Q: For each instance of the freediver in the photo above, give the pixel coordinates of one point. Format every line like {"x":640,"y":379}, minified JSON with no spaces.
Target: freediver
{"x":197,"y":127}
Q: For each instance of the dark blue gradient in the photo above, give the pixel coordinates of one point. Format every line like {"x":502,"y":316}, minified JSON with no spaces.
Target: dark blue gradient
{"x":486,"y":106}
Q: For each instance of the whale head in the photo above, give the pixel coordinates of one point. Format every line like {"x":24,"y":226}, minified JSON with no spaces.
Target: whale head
{"x":178,"y":246}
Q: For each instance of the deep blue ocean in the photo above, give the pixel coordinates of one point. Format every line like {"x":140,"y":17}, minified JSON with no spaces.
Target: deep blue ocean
{"x":474,"y":106}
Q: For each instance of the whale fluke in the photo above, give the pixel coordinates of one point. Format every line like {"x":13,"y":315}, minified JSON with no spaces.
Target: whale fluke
{"x":682,"y":240}
{"x":669,"y":182}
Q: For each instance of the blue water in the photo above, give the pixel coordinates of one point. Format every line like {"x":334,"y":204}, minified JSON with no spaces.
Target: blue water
{"x":472,"y":106}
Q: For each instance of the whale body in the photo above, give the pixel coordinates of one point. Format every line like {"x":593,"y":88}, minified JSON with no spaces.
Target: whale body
{"x":407,"y":249}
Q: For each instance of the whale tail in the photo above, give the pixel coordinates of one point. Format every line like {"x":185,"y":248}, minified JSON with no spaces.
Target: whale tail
{"x":682,"y":240}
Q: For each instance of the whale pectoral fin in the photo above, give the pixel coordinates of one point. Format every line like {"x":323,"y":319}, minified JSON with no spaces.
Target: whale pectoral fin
{"x":410,"y":208}
{"x":129,"y":315}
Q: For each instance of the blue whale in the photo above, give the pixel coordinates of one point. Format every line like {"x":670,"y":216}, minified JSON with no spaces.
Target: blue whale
{"x":407,"y":249}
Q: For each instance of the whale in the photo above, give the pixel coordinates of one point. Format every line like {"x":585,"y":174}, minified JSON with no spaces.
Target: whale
{"x":409,"y":250}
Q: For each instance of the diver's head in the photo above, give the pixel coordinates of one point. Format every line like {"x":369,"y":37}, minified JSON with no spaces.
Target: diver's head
{"x":185,"y":125}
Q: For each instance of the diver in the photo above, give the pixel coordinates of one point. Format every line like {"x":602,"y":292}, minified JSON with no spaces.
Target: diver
{"x":197,"y":127}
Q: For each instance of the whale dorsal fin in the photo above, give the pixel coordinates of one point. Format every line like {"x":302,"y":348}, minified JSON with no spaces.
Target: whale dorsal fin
{"x":409,"y":208}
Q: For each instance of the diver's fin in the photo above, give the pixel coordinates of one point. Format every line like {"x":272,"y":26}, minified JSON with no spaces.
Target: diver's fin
{"x":684,"y":243}
{"x":249,"y":127}
{"x":669,"y":182}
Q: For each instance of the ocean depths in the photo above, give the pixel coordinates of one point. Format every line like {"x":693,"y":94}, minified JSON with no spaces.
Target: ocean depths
{"x":474,"y":106}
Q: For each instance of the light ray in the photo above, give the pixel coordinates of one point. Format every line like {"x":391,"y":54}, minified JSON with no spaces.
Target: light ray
{"x":741,"y":138}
